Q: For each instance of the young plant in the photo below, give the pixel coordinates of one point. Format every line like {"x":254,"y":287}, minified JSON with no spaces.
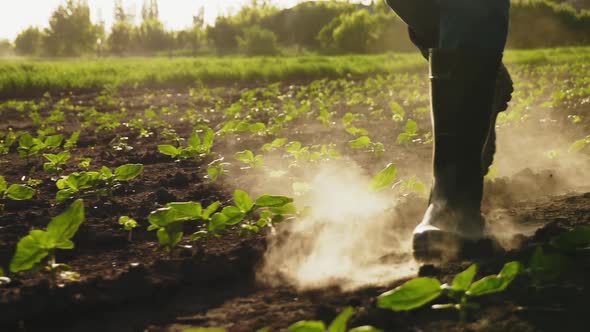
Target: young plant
{"x":252,"y":161}
{"x":55,"y":161}
{"x":33,"y":248}
{"x":339,"y":324}
{"x":15,"y":192}
{"x":29,"y":146}
{"x":128,"y":224}
{"x":196,"y":147}
{"x":168,"y":221}
{"x":421,"y":291}
{"x":384,"y":179}
{"x":95,"y":183}
{"x":216,"y":169}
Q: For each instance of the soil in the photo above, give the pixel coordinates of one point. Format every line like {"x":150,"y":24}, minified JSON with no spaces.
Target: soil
{"x":133,"y":286}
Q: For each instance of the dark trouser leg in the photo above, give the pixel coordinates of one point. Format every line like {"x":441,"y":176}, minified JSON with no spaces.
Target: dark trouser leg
{"x":465,"y":57}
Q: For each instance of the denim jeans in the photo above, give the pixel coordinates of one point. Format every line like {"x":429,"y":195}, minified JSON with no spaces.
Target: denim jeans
{"x":455,"y":24}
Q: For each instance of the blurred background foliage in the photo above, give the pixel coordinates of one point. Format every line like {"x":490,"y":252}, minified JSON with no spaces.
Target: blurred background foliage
{"x":260,"y":28}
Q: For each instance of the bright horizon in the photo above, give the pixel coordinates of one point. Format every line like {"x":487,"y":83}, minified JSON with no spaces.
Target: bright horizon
{"x":16,"y":16}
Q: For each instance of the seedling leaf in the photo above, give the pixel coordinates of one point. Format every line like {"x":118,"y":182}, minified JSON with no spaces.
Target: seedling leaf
{"x":243,"y":201}
{"x":128,"y":172}
{"x":29,"y":252}
{"x":186,"y":210}
{"x":234,"y":215}
{"x":384,"y":179}
{"x":272,"y":201}
{"x":169,"y":150}
{"x":307,"y":326}
{"x":3,"y":184}
{"x":463,"y":280}
{"x":411,"y":295}
{"x":340,"y":322}
{"x":496,"y":283}
{"x":210,"y":210}
{"x":19,"y":192}
{"x":64,"y":226}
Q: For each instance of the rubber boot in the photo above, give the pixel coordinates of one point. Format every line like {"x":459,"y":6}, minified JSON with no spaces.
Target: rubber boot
{"x":462,"y":101}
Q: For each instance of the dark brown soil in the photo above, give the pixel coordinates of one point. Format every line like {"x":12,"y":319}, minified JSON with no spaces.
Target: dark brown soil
{"x":133,"y":286}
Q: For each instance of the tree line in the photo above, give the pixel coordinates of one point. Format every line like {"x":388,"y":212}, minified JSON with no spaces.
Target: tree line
{"x":259,"y":28}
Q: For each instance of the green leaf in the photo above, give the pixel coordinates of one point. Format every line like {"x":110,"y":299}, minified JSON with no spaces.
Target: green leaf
{"x":339,"y":324}
{"x":576,"y":239}
{"x":186,"y":210}
{"x":29,"y":252}
{"x":203,"y":329}
{"x":234,"y":215}
{"x":67,"y":244}
{"x":384,"y":179}
{"x":244,"y":156}
{"x":272,"y":201}
{"x":64,"y":194}
{"x":218,"y":223}
{"x":210,"y":210}
{"x":285,"y":209}
{"x":243,"y":201}
{"x":169,"y":150}
{"x":128,"y":172}
{"x":54,"y":141}
{"x":64,"y":226}
{"x":194,"y":141}
{"x":20,"y":192}
{"x":257,"y":127}
{"x":208,"y":138}
{"x":365,"y":329}
{"x":463,"y":280}
{"x":496,"y":283}
{"x":411,"y":295}
{"x":546,"y":268}
{"x":360,"y":143}
{"x":198,"y":235}
{"x":163,"y":217}
{"x":3,"y":184}
{"x":307,"y":326}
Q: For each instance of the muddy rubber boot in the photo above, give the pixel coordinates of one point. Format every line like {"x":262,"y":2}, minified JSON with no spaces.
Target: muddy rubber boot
{"x":463,"y":85}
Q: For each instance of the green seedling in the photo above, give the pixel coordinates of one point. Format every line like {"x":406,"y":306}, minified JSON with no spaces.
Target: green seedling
{"x":15,"y":192}
{"x":274,"y":145}
{"x":168,"y":221}
{"x":339,"y":324}
{"x":99,"y":184}
{"x":72,"y":142}
{"x":7,"y":140}
{"x":384,"y":179}
{"x":196,"y":148}
{"x":419,"y":292}
{"x":128,"y":224}
{"x":32,"y":249}
{"x":55,"y":161}
{"x":216,"y":169}
{"x":29,"y":146}
{"x":410,"y":133}
{"x":365,"y":142}
{"x":252,"y":161}
{"x":242,"y":126}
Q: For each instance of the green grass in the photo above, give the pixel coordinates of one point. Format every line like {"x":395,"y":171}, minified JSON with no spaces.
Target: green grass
{"x":33,"y":77}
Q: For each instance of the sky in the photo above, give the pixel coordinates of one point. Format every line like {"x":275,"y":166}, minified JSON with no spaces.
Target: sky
{"x":17,"y":15}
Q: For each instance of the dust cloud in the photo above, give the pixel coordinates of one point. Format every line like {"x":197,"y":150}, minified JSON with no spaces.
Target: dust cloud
{"x":352,"y":238}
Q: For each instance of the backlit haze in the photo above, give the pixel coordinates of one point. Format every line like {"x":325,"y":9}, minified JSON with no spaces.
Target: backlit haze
{"x":15,"y":16}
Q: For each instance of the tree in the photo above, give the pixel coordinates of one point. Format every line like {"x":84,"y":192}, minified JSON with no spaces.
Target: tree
{"x":5,"y":47}
{"x":71,"y":31}
{"x":258,"y":41}
{"x":351,"y":33}
{"x":29,"y":42}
